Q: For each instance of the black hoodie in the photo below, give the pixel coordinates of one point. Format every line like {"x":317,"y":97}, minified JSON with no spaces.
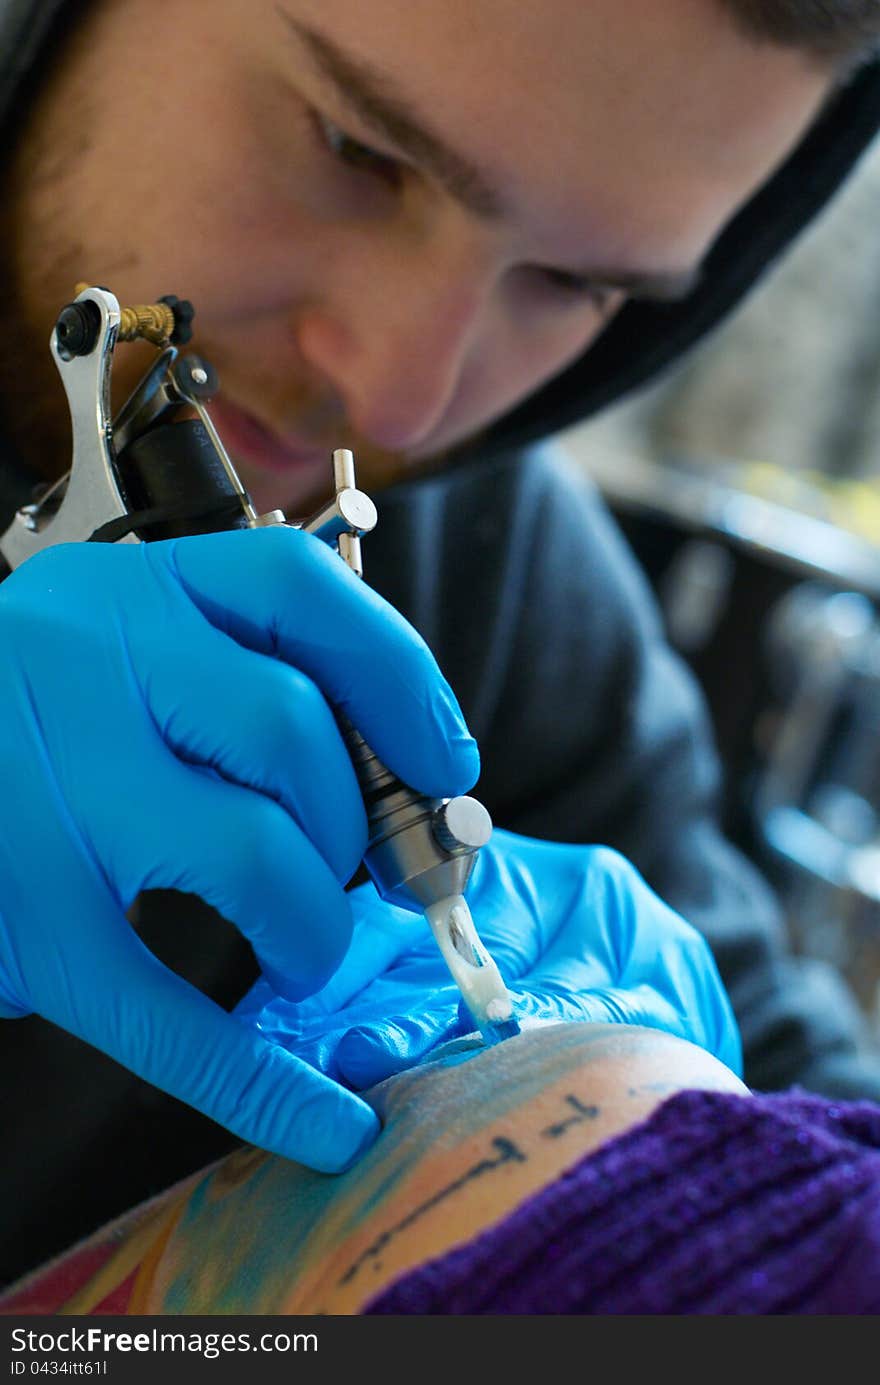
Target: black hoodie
{"x":590,"y":728}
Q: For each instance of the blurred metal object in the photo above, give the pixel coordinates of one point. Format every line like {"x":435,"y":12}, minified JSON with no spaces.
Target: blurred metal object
{"x":778,"y":615}
{"x":699,"y":502}
{"x":817,"y":799}
{"x":694,"y":591}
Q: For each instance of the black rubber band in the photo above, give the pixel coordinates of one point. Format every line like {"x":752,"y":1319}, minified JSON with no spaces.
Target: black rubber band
{"x":116,"y":529}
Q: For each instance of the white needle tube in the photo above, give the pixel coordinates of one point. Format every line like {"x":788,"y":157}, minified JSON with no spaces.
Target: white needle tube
{"x":473,"y":969}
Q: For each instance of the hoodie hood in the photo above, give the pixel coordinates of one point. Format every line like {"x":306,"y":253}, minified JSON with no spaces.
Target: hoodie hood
{"x":645,"y":339}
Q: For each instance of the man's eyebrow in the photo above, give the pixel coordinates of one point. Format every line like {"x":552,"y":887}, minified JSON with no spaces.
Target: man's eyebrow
{"x":371,"y":96}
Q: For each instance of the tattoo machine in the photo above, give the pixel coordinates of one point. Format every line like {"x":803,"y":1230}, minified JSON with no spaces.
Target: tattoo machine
{"x":159,"y":470}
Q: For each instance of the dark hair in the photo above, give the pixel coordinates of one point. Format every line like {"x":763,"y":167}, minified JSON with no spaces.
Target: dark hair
{"x":843,"y":34}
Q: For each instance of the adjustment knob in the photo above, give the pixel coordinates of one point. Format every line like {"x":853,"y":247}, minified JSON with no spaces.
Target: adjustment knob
{"x":77,"y":328}
{"x":183,"y":312}
{"x":461,"y":824}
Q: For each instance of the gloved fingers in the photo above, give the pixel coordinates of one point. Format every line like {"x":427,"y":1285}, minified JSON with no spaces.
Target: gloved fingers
{"x":316,"y":1047}
{"x":368,"y":1053}
{"x":606,"y":926}
{"x":168,"y":1033}
{"x":245,"y":856}
{"x":640,"y":1005}
{"x":365,"y":1041}
{"x":11,"y":1008}
{"x":642,"y":923}
{"x":298,"y":1024}
{"x":588,"y":934}
{"x":313,"y":1032}
{"x":283,"y":592}
{"x":609,"y":1005}
{"x":701,"y":993}
{"x":265,"y":725}
{"x":381,"y":936}
{"x":628,"y":941}
{"x":621,"y":941}
{"x":522,"y":891}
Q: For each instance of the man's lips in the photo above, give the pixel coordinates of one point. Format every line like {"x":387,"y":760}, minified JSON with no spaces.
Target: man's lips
{"x":249,"y":441}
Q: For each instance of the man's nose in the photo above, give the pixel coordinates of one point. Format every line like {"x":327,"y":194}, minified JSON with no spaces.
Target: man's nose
{"x":394,"y":351}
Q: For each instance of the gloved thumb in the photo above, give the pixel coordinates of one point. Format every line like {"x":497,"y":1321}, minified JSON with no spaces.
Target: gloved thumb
{"x":175,"y":1037}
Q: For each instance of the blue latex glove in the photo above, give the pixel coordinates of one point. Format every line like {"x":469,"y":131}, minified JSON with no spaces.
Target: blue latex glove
{"x":164,"y":722}
{"x":576,"y":934}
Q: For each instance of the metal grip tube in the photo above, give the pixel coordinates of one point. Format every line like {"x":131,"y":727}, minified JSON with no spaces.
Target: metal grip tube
{"x":420,"y":849}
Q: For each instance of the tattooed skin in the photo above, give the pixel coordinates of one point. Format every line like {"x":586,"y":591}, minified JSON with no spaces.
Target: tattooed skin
{"x":467,"y":1136}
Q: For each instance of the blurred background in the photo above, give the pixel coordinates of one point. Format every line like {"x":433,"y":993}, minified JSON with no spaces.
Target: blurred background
{"x":747,"y":482}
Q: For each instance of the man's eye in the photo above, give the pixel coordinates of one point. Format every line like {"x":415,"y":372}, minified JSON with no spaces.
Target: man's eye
{"x":602,"y":296}
{"x":354,"y":154}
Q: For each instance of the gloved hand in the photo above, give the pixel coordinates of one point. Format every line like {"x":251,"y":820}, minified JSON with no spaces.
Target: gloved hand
{"x":164,"y":722}
{"x":576,"y":934}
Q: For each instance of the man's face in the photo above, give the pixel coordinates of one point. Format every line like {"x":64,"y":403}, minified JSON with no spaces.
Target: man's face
{"x":394,"y":220}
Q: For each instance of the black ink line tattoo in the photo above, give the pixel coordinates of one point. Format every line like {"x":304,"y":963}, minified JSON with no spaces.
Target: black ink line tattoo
{"x":582,"y":1113}
{"x":507,"y":1153}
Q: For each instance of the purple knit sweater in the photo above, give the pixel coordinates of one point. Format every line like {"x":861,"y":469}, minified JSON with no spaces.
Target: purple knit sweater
{"x":717,"y":1204}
